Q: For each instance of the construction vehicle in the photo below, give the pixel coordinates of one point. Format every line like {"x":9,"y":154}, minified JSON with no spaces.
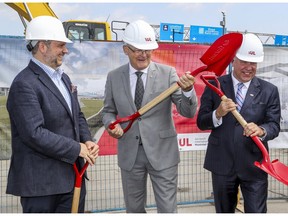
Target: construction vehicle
{"x":74,"y":29}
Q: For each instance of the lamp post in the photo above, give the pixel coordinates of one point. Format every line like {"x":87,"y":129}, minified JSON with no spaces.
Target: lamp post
{"x":223,"y":22}
{"x":175,"y":32}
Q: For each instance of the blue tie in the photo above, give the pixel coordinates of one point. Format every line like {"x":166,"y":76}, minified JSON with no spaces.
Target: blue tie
{"x":239,"y":96}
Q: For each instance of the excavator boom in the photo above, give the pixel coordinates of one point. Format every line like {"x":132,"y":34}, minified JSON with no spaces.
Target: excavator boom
{"x":31,"y":10}
{"x":74,"y":29}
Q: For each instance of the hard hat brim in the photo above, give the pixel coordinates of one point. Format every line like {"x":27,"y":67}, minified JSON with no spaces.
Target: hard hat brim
{"x":150,"y":46}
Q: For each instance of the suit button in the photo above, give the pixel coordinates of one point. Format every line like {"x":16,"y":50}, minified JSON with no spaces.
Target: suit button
{"x":139,"y":119}
{"x":137,"y":137}
{"x":237,"y":124}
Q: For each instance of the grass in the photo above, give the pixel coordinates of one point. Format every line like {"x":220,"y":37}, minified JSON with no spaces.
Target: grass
{"x":92,"y":106}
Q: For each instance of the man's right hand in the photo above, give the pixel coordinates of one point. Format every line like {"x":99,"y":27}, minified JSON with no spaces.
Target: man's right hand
{"x":117,"y":132}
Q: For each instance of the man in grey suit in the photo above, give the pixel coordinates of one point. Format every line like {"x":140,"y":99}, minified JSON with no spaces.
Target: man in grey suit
{"x":150,"y":145}
{"x":49,"y":131}
{"x":231,"y":152}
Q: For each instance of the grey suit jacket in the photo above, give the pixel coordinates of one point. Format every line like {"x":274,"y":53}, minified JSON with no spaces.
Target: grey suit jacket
{"x":45,"y":135}
{"x":228,"y":150}
{"x":156,"y":127}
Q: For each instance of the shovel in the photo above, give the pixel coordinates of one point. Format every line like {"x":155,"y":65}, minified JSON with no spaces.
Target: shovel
{"x":77,"y":186}
{"x":216,"y":58}
{"x":275,"y":168}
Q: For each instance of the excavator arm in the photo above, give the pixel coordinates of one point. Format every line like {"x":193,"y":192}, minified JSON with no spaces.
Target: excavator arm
{"x":32,"y":10}
{"x":74,"y":29}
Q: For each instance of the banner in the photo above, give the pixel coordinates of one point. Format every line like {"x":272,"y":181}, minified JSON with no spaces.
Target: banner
{"x":88,"y":63}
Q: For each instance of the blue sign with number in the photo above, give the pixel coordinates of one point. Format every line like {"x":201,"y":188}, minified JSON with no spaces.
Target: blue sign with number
{"x":281,"y":40}
{"x":205,"y":34}
{"x":171,"y":32}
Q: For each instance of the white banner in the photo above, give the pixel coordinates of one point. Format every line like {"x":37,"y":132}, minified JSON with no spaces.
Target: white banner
{"x":199,"y":141}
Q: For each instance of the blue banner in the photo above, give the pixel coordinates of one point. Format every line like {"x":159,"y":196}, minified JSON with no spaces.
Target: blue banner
{"x":205,"y":34}
{"x":171,"y":32}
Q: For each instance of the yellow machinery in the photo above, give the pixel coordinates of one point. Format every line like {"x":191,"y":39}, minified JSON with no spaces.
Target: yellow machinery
{"x":74,"y":29}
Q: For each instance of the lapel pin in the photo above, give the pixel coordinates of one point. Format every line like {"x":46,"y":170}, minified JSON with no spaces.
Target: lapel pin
{"x":252,"y":95}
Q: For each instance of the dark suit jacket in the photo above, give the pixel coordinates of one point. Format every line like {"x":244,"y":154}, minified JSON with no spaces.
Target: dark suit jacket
{"x":156,"y":126}
{"x":228,"y":150}
{"x":45,"y":135}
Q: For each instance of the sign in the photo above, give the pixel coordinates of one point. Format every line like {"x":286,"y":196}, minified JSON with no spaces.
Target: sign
{"x":192,"y":141}
{"x":281,"y":40}
{"x":171,"y":32}
{"x":205,"y":34}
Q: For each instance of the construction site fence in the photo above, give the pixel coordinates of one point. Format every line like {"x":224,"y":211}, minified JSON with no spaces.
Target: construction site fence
{"x":88,"y":64}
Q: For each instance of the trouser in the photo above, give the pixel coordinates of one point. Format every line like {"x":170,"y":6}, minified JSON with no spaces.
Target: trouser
{"x":254,"y":192}
{"x":164,"y":183}
{"x":59,"y":203}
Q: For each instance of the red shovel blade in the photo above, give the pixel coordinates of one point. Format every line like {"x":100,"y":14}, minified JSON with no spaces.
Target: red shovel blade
{"x":222,"y":52}
{"x":276,"y":169}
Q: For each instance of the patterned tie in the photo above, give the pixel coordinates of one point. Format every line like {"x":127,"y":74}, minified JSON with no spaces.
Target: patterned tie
{"x":239,"y":96}
{"x":139,"y":91}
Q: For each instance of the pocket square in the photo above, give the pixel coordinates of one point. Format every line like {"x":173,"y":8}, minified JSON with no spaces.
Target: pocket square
{"x":73,"y":88}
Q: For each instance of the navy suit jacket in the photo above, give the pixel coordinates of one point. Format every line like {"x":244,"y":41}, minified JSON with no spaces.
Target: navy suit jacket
{"x":45,"y":135}
{"x":228,"y":150}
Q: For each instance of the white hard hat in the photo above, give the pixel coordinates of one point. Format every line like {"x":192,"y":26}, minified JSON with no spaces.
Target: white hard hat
{"x":140,"y":35}
{"x":251,"y":49}
{"x":46,"y":28}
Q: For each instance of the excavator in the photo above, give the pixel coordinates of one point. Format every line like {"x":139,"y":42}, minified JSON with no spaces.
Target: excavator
{"x":74,"y":29}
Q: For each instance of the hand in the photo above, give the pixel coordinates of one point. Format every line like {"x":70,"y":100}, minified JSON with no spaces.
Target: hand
{"x":93,"y":149}
{"x":117,"y":132}
{"x":186,"y":81}
{"x":91,"y":154}
{"x":251,"y":129}
{"x":226,"y":105}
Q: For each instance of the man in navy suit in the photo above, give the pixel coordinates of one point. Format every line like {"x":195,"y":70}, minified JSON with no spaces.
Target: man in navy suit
{"x":49,"y":131}
{"x":231,"y":152}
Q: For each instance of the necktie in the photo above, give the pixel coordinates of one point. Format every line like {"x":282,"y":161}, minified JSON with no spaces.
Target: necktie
{"x":239,"y":96}
{"x":139,"y":91}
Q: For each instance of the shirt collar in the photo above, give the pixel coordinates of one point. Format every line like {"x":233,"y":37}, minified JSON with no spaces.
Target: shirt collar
{"x":133,"y":70}
{"x":235,"y":81}
{"x":50,"y":71}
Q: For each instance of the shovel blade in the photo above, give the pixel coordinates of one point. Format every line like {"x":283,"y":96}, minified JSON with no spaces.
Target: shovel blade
{"x":221,"y":52}
{"x":276,"y":169}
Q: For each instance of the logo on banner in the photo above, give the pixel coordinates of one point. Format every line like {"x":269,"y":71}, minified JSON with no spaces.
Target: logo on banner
{"x":184,"y":142}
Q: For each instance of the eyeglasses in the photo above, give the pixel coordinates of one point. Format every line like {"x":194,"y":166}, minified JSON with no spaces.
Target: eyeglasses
{"x":245,"y":63}
{"x":139,"y":52}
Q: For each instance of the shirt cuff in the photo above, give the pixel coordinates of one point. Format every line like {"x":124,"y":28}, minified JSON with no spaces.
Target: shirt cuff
{"x":189,"y":93}
{"x":216,"y":122}
{"x":265,"y":134}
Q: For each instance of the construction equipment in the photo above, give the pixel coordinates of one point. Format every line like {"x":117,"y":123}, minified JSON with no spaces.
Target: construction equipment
{"x":74,"y":29}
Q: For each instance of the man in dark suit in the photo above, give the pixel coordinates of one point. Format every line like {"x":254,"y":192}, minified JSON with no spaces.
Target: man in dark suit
{"x":150,"y":146}
{"x":49,"y":131}
{"x":231,"y":153}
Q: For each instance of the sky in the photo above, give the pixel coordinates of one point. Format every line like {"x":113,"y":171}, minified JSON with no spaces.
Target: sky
{"x":257,"y":17}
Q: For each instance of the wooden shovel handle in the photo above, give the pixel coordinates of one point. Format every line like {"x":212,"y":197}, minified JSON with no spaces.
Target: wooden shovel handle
{"x":152,"y":103}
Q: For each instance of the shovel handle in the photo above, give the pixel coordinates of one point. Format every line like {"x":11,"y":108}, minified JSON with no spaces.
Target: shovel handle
{"x":152,"y":103}
{"x":77,"y":186}
{"x":235,"y":113}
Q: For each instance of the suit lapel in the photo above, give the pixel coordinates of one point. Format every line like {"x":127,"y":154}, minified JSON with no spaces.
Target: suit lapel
{"x":151,"y":76}
{"x":227,"y":87}
{"x":68,"y":84}
{"x":252,"y":92}
{"x":126,"y":83}
{"x":46,"y":81}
